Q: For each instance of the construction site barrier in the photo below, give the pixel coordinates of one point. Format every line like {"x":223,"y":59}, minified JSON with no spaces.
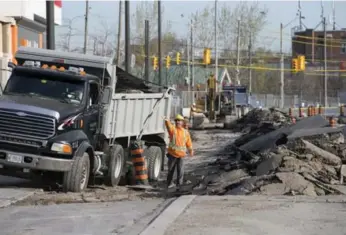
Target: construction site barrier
{"x":317,"y":110}
{"x":138,"y":160}
{"x":313,"y":110}
{"x":320,"y":110}
{"x":290,"y":112}
{"x":293,"y":119}
{"x":309,"y":111}
{"x":300,"y":110}
{"x":342,"y":110}
{"x":332,"y":121}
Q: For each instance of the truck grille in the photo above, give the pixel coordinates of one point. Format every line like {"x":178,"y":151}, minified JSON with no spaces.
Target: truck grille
{"x":23,"y":124}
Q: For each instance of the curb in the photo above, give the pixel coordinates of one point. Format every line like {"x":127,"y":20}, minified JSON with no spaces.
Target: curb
{"x":169,"y":215}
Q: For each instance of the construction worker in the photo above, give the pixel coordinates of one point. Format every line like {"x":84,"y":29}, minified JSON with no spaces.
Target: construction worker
{"x":193,"y":110}
{"x":211,"y":96}
{"x":180,"y":143}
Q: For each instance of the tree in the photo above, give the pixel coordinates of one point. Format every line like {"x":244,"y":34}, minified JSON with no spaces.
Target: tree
{"x":103,"y":40}
{"x":252,"y":19}
{"x":65,"y":38}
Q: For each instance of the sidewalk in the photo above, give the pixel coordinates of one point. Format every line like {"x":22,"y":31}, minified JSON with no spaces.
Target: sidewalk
{"x":251,"y":215}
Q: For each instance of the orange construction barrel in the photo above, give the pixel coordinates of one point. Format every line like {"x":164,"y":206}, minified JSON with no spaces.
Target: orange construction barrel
{"x":342,"y":110}
{"x":138,"y":160}
{"x":332,"y":121}
{"x":300,"y":111}
{"x":320,"y":110}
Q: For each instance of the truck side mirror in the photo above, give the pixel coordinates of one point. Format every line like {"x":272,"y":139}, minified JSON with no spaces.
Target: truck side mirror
{"x":11,"y":65}
{"x":106,"y":95}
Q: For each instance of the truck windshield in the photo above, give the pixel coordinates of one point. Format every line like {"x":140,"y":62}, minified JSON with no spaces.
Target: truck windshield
{"x":67,"y":91}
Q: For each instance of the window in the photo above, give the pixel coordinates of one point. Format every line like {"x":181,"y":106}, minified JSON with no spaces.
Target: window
{"x":343,"y":46}
{"x":45,"y":87}
{"x":94,"y":93}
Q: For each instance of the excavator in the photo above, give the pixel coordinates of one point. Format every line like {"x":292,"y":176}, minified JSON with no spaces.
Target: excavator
{"x":233,"y":101}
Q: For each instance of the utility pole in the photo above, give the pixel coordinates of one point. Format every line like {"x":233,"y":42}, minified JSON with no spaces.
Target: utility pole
{"x":325,"y":64}
{"x":117,"y":60}
{"x":127,"y":36}
{"x":146,"y":35}
{"x":192,"y":63}
{"x":282,"y":74}
{"x":189,"y":62}
{"x":159,"y":39}
{"x":334,"y":22}
{"x":238,"y":53}
{"x":86,"y":26}
{"x":216,"y":52}
{"x":300,"y":16}
{"x":250,"y":64}
{"x":50,"y":25}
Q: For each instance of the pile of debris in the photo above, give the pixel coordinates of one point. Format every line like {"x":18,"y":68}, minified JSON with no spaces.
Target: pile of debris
{"x":305,"y":158}
{"x":258,"y":117}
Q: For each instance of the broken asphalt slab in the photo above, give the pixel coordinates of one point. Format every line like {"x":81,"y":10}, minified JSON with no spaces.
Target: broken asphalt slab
{"x":270,"y":139}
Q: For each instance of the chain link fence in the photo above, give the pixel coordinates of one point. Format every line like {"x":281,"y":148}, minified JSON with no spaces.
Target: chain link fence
{"x":184,"y":99}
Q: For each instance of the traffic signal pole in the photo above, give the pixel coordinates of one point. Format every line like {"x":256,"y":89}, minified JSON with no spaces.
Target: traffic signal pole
{"x":325,"y":64}
{"x":146,"y":33}
{"x":159,"y":39}
{"x":282,"y":74}
{"x":50,"y":25}
{"x":127,"y":36}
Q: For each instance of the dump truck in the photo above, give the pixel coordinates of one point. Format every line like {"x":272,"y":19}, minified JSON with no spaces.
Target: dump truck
{"x":70,"y":117}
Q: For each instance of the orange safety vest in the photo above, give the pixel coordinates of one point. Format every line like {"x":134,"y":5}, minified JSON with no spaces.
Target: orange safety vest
{"x":180,"y":141}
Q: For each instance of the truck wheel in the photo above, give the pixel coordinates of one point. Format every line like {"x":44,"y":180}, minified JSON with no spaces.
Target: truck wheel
{"x":153,"y":156}
{"x":77,"y":179}
{"x":116,"y":166}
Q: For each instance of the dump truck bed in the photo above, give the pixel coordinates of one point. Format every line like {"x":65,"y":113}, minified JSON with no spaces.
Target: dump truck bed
{"x":128,"y":112}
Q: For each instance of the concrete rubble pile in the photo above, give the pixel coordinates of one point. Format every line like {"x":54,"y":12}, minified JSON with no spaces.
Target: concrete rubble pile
{"x":259,"y":117}
{"x":275,"y":158}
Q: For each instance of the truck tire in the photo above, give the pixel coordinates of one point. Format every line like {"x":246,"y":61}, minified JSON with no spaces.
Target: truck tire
{"x":154,"y":158}
{"x":77,"y":179}
{"x":116,"y":166}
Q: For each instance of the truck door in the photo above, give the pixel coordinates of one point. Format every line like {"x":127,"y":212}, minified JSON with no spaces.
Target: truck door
{"x":91,"y":114}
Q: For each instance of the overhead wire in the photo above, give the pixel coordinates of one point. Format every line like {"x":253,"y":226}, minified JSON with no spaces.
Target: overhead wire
{"x":257,"y":67}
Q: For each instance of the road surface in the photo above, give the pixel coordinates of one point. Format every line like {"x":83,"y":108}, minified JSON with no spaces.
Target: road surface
{"x":251,"y":215}
{"x":14,"y":189}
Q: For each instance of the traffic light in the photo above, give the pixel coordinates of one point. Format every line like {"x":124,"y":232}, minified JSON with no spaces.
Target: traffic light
{"x":295,"y":65}
{"x":178,"y":58}
{"x":301,"y":63}
{"x":155,"y":63}
{"x":206,"y":56}
{"x":168,"y":62}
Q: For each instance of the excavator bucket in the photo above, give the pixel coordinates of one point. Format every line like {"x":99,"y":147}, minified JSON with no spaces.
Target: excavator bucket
{"x":199,"y":121}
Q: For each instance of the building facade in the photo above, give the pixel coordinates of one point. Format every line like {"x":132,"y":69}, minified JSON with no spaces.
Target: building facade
{"x":311,"y":44}
{"x":27,"y":23}
{"x":22,"y":23}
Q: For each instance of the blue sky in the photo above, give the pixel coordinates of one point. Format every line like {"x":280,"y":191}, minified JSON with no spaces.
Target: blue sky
{"x":278,"y":11}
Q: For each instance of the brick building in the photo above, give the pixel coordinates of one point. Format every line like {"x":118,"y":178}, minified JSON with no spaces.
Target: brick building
{"x":311,"y":44}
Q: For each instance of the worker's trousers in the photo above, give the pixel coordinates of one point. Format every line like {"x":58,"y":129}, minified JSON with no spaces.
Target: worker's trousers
{"x":175,"y":163}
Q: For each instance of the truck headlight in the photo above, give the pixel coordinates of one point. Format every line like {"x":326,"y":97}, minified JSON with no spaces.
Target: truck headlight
{"x":62,"y":148}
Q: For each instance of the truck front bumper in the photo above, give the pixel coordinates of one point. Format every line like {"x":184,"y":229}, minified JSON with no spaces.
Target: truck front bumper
{"x":35,"y":162}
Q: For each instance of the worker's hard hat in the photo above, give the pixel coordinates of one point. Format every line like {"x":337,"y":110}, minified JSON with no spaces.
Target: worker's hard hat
{"x":194,"y":104}
{"x":179,"y":118}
